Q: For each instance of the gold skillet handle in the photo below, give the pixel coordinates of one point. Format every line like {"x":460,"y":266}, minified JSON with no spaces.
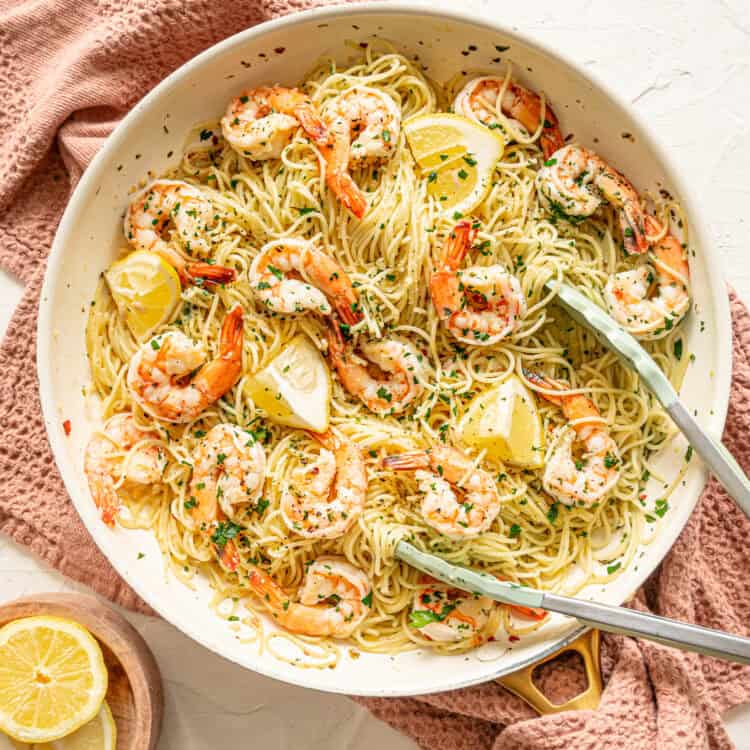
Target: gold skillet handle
{"x":521,"y":683}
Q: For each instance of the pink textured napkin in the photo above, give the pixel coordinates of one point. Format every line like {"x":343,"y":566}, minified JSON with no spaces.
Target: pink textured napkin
{"x":68,"y":71}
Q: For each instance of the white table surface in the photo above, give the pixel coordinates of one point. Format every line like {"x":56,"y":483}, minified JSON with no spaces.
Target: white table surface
{"x":685,"y":65}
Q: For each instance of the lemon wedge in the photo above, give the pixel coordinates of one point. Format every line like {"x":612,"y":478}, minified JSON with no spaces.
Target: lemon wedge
{"x":505,"y":422}
{"x":52,"y":678}
{"x":98,"y":734}
{"x":457,"y":156}
{"x":294,"y":389}
{"x":145,"y":288}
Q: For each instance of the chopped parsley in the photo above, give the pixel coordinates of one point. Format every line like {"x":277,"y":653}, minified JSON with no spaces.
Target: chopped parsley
{"x":421,"y":617}
{"x":610,"y":460}
{"x":261,"y":505}
{"x":661,"y":507}
{"x":225,"y":531}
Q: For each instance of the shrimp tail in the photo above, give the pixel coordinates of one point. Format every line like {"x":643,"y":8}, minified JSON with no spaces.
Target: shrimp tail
{"x":219,"y":375}
{"x":544,"y":382}
{"x":348,"y":311}
{"x":530,"y":613}
{"x":207,"y":273}
{"x":457,"y":244}
{"x":633,"y":231}
{"x":526,"y":107}
{"x":327,"y":439}
{"x":313,"y":125}
{"x":194,"y":272}
{"x":347,"y":191}
{"x":336,"y":344}
{"x":231,"y":333}
{"x":105,"y":498}
{"x":228,"y":555}
{"x":267,"y":589}
{"x":551,"y":139}
{"x":407,"y":461}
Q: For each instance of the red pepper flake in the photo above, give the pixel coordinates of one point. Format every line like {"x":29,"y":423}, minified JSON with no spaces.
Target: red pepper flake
{"x":643,"y":496}
{"x":279,"y":50}
{"x":66,"y":427}
{"x":513,"y":638}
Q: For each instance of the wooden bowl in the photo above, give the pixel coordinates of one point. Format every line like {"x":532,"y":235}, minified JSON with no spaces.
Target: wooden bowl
{"x":135,"y":689}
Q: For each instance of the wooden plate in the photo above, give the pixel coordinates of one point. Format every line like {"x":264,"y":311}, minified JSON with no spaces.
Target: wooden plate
{"x":135,"y":689}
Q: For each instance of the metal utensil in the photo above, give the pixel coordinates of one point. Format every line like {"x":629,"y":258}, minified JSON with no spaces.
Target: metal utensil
{"x":718,"y":459}
{"x":674,"y":633}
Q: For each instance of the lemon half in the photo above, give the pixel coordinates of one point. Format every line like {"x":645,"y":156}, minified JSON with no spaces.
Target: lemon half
{"x":505,"y":422}
{"x":98,"y":734}
{"x":52,"y":678}
{"x":145,"y":289}
{"x":457,"y":156}
{"x":294,"y":389}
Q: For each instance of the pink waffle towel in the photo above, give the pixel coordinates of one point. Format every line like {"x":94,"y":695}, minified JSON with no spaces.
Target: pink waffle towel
{"x":68,"y":71}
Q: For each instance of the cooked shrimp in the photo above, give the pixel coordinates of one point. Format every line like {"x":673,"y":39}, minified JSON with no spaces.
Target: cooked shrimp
{"x":628,"y":294}
{"x":229,"y":468}
{"x":260,"y":123}
{"x":448,"y":615}
{"x":333,"y":600}
{"x":477,"y":100}
{"x":172,"y":205}
{"x":480,"y":305}
{"x":387,"y":376}
{"x":327,"y":496}
{"x":293,"y":276}
{"x":368,"y":123}
{"x":159,"y":374}
{"x":574,"y":182}
{"x":587,"y":479}
{"x":460,"y":500}
{"x":121,"y":451}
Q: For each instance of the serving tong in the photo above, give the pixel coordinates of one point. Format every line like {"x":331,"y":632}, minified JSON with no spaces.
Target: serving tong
{"x":716,"y":457}
{"x":606,"y":617}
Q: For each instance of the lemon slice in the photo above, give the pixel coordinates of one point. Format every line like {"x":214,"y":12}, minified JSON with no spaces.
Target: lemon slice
{"x":505,"y":422}
{"x":457,"y":156}
{"x":98,"y":734}
{"x":294,"y":389}
{"x":52,"y":678}
{"x":145,"y":288}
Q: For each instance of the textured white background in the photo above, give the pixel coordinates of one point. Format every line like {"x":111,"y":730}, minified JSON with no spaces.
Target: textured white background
{"x":685,"y":65}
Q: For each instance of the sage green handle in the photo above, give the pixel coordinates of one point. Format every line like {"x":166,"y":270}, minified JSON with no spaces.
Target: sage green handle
{"x":714,"y":454}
